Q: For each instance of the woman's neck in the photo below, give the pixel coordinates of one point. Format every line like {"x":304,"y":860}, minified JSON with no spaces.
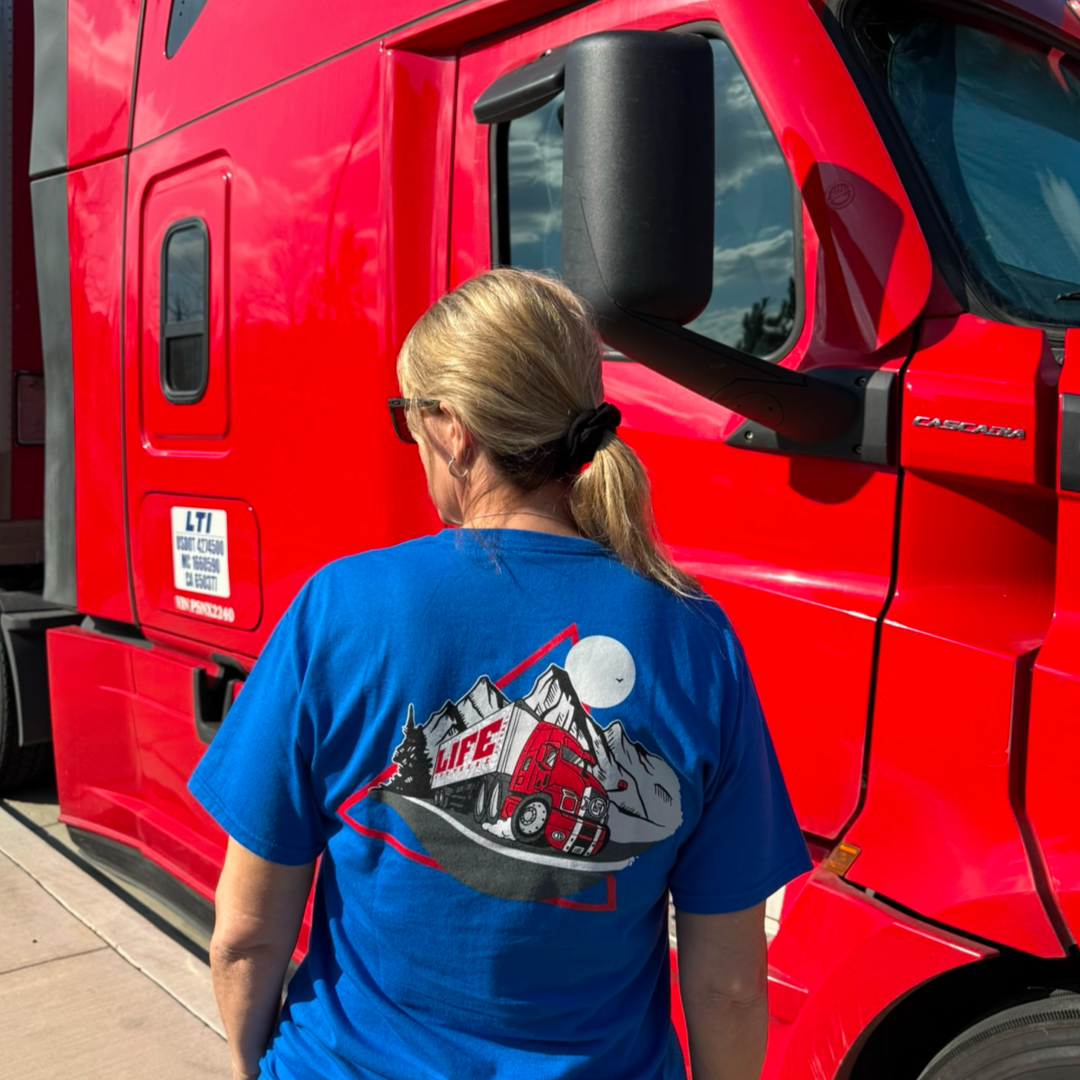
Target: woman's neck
{"x":543,"y":510}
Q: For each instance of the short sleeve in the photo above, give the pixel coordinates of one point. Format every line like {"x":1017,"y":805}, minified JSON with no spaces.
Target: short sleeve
{"x":255,"y":777}
{"x":747,"y":842}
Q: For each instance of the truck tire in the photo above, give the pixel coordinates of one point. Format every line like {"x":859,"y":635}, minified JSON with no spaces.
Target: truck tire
{"x":1039,"y":1040}
{"x":489,"y":799}
{"x":481,"y":801}
{"x":530,"y":817}
{"x":496,"y":798}
{"x":19,"y":765}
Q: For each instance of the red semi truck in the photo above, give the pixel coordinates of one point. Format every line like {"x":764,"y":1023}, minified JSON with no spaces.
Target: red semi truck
{"x":533,"y":775}
{"x":835,"y":245}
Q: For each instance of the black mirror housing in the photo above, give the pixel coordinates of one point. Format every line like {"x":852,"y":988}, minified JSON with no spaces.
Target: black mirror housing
{"x":649,"y":216}
{"x":638,"y":205}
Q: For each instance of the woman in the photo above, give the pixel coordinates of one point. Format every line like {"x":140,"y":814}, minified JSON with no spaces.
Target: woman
{"x":508,"y":742}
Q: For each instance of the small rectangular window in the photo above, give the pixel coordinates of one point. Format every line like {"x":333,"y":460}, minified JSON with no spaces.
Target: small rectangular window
{"x":185,"y":329}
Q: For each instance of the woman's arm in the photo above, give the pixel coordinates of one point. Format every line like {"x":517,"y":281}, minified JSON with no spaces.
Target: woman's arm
{"x":259,"y":906}
{"x":723,"y":979}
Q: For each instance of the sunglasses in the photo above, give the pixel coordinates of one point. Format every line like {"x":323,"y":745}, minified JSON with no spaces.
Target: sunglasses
{"x":398,"y":407}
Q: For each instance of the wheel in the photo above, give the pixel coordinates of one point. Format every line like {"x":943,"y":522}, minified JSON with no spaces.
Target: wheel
{"x":530,"y":817}
{"x":489,"y":800}
{"x":496,"y":797}
{"x":19,"y":765}
{"x":441,"y":798}
{"x":1039,"y":1040}
{"x":481,"y":801}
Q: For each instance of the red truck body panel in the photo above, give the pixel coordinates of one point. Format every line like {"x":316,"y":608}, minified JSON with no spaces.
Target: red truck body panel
{"x":973,"y":600}
{"x":96,"y":233}
{"x":913,"y":627}
{"x":840,"y":961}
{"x":102,"y":45}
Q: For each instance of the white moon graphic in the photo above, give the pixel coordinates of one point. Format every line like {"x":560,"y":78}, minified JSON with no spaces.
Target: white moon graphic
{"x":602,"y":671}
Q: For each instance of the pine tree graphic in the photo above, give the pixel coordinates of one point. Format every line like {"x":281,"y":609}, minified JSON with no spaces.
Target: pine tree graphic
{"x":413,"y":776}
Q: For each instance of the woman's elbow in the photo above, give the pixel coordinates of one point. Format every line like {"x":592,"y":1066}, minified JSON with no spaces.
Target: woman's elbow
{"x":742,"y":993}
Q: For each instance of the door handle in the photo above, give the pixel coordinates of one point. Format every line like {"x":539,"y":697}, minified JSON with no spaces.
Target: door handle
{"x":213,"y":694}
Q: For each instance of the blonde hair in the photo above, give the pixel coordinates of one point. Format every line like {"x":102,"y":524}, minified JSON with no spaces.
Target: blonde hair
{"x":517,"y":356}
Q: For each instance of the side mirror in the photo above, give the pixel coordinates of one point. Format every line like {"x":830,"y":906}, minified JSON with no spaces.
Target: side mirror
{"x":638,"y":187}
{"x":621,"y":785}
{"x":638,"y":200}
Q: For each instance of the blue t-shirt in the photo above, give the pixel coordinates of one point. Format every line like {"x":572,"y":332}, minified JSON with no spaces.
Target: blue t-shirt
{"x":508,"y":748}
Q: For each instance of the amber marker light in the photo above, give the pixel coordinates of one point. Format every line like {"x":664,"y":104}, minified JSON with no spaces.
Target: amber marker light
{"x":843,"y":855}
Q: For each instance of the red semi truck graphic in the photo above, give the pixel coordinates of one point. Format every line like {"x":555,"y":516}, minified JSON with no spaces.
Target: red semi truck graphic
{"x":534,"y":774}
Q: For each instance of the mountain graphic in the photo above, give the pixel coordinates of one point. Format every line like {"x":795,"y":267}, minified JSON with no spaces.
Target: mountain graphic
{"x":554,"y":700}
{"x":483,"y":699}
{"x":649,"y":809}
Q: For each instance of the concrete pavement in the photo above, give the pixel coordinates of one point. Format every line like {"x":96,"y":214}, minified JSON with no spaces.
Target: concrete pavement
{"x":90,"y":989}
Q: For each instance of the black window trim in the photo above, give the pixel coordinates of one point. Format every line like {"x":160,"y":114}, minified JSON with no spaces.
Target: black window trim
{"x":499,"y":187}
{"x":168,"y":330}
{"x":971,"y":292}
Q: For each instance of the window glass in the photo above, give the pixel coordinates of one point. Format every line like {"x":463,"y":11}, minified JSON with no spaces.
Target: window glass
{"x":534,"y":159}
{"x":996,"y":123}
{"x":184,"y":360}
{"x":574,"y":759}
{"x":753,"y":305}
{"x":185,"y":274}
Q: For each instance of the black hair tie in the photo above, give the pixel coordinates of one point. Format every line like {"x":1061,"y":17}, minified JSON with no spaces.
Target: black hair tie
{"x":585,"y":434}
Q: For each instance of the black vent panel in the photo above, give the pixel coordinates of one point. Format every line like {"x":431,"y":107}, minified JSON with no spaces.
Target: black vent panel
{"x":181,"y":20}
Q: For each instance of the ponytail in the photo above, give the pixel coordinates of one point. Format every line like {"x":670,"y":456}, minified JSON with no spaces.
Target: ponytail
{"x":611,"y":504}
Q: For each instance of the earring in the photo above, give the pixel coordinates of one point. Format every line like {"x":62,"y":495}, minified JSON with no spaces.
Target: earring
{"x":456,"y":476}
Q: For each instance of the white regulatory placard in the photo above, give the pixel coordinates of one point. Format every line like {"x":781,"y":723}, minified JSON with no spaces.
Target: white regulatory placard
{"x":200,"y":550}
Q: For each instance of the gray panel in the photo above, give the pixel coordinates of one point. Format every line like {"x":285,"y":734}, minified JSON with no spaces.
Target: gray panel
{"x":24,"y":639}
{"x":49,"y":197}
{"x":48,"y":144}
{"x":1069,"y":462}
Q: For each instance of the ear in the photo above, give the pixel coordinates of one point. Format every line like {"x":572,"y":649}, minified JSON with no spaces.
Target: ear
{"x":459,"y":439}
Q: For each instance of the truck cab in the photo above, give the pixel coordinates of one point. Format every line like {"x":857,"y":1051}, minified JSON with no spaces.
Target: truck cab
{"x":553,"y":795}
{"x":835,"y":247}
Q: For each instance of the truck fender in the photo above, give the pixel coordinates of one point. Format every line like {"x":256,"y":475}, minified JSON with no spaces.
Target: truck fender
{"x":841,"y":958}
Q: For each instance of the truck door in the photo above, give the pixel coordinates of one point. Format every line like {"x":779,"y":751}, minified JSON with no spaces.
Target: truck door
{"x":258,"y":357}
{"x":818,"y":263}
{"x":966,"y":758}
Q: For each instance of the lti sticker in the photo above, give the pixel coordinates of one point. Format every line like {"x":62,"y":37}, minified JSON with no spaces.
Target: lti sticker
{"x":200,"y":543}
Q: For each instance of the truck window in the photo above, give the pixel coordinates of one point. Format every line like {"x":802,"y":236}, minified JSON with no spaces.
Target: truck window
{"x":574,"y":759}
{"x":184,"y":329}
{"x":995,"y":122}
{"x":753,"y":305}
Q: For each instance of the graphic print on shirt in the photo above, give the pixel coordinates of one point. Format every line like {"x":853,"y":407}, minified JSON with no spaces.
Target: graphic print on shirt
{"x":529,"y":797}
